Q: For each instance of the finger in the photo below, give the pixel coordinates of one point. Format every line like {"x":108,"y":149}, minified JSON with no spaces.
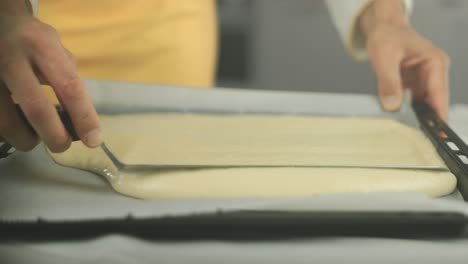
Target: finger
{"x":412,"y":62}
{"x":37,"y":107}
{"x":40,"y":76}
{"x":42,"y":79}
{"x":70,"y":56}
{"x":12,"y":129}
{"x":411,"y":79}
{"x":386,"y":64}
{"x":436,"y":84}
{"x":61,"y":72}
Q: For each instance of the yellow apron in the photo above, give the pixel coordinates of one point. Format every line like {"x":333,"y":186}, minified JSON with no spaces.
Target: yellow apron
{"x":151,"y":41}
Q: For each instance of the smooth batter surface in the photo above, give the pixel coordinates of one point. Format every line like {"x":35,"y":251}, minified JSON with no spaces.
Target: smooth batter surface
{"x":261,"y":140}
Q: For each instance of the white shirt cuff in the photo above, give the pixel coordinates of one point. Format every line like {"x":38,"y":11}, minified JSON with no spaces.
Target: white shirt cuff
{"x":345,"y":14}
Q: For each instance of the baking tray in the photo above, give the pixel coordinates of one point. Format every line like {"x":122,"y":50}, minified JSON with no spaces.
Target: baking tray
{"x":33,"y":189}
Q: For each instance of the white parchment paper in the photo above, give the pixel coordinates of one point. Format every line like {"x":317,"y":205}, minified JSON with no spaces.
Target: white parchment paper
{"x":32,"y":187}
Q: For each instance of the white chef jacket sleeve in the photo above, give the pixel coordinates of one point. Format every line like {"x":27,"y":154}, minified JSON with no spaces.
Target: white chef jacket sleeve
{"x":345,"y":14}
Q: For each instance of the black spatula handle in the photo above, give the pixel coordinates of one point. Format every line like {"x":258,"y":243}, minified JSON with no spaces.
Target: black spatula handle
{"x":449,"y":145}
{"x":64,"y":116}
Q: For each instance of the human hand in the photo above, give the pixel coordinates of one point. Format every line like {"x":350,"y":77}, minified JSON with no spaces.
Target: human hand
{"x":403,"y":59}
{"x":31,"y":51}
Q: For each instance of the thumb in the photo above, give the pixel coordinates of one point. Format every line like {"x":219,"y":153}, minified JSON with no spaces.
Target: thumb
{"x":387,"y":68}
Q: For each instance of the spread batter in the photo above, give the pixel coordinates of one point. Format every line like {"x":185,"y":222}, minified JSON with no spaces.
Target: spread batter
{"x":261,"y":140}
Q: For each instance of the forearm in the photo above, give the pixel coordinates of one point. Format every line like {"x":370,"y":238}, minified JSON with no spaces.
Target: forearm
{"x":383,"y":12}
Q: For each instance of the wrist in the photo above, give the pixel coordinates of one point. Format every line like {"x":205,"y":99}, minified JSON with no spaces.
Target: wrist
{"x":383,"y":13}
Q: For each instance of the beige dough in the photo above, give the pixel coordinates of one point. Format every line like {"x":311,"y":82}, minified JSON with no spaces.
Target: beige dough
{"x":262,"y":140}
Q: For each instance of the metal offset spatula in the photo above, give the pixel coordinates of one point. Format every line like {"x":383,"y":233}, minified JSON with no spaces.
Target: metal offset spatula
{"x":6,"y":150}
{"x":451,"y":148}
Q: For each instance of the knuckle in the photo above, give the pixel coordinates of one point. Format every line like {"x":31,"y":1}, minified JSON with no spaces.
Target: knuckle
{"x":380,"y":39}
{"x":30,"y":30}
{"x":84,"y":118}
{"x":71,"y":57}
{"x":69,"y":88}
{"x":383,"y":51}
{"x":49,"y":30}
{"x":441,"y":57}
{"x":388,"y":48}
{"x":36,"y":27}
{"x":445,"y":58}
{"x":35,"y":35}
